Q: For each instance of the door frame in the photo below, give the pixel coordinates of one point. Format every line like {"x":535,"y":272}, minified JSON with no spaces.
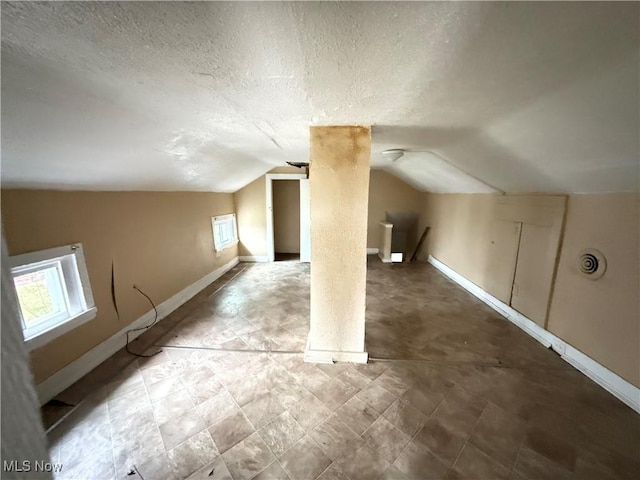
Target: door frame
{"x":269,"y":178}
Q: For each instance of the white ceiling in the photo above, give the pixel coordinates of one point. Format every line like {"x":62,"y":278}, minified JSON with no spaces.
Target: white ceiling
{"x":522,"y":97}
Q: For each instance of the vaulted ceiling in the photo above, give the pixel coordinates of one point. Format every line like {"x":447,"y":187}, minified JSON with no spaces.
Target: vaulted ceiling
{"x":513,"y":97}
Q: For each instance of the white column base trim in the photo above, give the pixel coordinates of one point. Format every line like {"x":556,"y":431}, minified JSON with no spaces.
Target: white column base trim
{"x":610,"y":381}
{"x":254,"y":258}
{"x":77,"y":369}
{"x":332,"y":356}
{"x":372,"y":251}
{"x":384,"y":260}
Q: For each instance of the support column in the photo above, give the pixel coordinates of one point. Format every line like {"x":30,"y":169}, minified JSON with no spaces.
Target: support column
{"x":339,"y":184}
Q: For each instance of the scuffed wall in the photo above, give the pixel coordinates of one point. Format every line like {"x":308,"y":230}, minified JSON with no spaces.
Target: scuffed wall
{"x":160,"y":241}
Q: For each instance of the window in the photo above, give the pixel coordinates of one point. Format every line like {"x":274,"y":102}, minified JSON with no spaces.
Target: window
{"x":53,"y":292}
{"x":225,"y":231}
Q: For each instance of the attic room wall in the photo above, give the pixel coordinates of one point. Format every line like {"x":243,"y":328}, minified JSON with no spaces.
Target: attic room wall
{"x":389,"y":194}
{"x":600,"y":318}
{"x":161,"y":241}
{"x":386,"y":193}
{"x":251,"y":205}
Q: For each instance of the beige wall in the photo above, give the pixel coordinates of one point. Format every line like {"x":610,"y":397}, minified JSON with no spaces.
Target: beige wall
{"x":386,"y":193}
{"x":339,"y":188}
{"x":600,"y":318}
{"x":251,"y":205}
{"x":286,"y":216}
{"x":162,"y":242}
{"x":389,"y":194}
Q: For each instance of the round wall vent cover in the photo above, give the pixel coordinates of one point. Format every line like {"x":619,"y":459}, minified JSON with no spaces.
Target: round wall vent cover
{"x":592,"y":264}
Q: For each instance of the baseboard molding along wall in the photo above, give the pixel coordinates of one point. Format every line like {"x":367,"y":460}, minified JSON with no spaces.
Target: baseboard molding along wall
{"x":73,"y":372}
{"x":254,"y":258}
{"x":610,"y":381}
{"x":372,"y":251}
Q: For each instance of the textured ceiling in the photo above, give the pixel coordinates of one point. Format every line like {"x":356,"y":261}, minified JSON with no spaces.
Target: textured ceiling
{"x":517,"y":97}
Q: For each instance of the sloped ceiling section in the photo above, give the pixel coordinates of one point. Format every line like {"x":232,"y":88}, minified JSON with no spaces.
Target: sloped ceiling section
{"x":513,"y":97}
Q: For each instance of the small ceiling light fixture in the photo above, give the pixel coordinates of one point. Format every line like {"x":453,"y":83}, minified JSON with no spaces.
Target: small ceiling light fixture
{"x":393,"y":154}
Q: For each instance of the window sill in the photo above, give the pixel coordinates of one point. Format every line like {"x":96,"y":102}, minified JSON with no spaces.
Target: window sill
{"x":45,"y":337}
{"x":228,"y":245}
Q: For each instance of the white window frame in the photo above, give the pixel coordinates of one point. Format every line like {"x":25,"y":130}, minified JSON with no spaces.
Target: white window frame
{"x":78,"y":297}
{"x":220,"y":222}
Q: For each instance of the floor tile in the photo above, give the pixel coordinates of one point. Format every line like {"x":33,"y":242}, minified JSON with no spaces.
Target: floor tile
{"x":376,"y":397}
{"x":551,"y":447}
{"x":217,"y":408}
{"x":263,"y":409}
{"x":304,"y":460}
{"x":333,"y":437}
{"x":499,"y":434}
{"x":180,"y":428}
{"x":309,"y":411}
{"x":216,"y":470}
{"x":335,"y":392}
{"x":531,"y":465}
{"x":361,"y":462}
{"x":357,"y":415}
{"x":170,"y":406}
{"x":202,"y":391}
{"x":230,"y":431}
{"x":416,"y":461}
{"x":193,"y":454}
{"x":383,"y":437}
{"x":164,"y":388}
{"x":248,"y":458}
{"x":474,"y":463}
{"x":444,"y":443}
{"x":332,"y":473}
{"x":272,"y":472}
{"x":281,"y":433}
{"x":405,"y":417}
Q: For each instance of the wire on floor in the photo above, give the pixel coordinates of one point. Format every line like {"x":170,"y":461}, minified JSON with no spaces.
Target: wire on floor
{"x":155,"y":320}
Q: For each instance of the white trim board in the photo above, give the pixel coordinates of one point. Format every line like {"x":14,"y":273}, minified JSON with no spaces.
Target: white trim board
{"x":254,"y":258}
{"x":610,"y":381}
{"x":77,"y":369}
{"x":332,"y":356}
{"x":372,"y":251}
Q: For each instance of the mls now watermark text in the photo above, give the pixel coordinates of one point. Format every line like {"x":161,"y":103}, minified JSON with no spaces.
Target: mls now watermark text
{"x":29,"y":466}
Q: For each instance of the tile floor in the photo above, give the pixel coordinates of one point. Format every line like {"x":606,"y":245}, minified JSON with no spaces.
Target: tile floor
{"x":453,"y":391}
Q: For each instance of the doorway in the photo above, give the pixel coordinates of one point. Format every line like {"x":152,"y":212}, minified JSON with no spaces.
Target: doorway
{"x":288,"y":218}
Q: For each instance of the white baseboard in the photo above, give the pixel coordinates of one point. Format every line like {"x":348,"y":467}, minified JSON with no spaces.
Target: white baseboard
{"x":610,"y":381}
{"x":77,"y":369}
{"x":331,"y":356}
{"x":372,"y":251}
{"x":254,"y":258}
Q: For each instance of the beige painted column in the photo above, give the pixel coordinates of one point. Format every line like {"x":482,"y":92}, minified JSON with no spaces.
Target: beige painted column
{"x":339,"y":184}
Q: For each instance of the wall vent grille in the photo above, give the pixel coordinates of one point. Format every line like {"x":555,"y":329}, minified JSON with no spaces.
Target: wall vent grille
{"x":592,"y":264}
